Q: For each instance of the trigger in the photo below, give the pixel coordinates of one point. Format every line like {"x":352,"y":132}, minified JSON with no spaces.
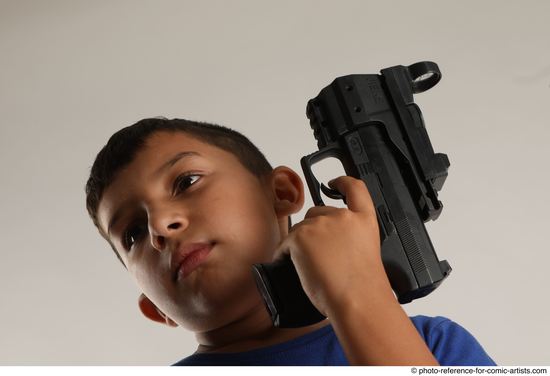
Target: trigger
{"x":332,"y":193}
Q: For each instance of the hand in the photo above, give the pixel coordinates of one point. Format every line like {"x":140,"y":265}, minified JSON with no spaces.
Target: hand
{"x":336,"y":251}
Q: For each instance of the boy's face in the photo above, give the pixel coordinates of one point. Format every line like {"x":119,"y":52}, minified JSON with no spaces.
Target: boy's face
{"x":205,"y":199}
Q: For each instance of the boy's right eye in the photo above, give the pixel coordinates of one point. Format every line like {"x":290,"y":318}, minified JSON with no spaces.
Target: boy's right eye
{"x":184,"y":181}
{"x":132,"y":235}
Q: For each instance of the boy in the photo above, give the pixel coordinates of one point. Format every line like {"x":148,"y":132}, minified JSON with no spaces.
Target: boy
{"x":189,"y":207}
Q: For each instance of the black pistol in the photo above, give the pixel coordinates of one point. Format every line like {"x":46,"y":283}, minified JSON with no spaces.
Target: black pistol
{"x":372,"y":125}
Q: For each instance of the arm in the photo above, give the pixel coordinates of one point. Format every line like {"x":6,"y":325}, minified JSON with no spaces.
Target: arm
{"x":376,"y":331}
{"x":336,"y":253}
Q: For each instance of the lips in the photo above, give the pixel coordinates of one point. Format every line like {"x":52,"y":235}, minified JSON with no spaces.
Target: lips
{"x":188,"y":258}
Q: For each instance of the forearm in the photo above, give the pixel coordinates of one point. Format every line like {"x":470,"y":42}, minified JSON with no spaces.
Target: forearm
{"x":377,"y":331}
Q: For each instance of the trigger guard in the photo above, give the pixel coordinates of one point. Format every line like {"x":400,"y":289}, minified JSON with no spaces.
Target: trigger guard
{"x":332,"y":193}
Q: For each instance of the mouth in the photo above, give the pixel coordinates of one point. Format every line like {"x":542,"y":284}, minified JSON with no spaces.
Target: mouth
{"x":190,"y":257}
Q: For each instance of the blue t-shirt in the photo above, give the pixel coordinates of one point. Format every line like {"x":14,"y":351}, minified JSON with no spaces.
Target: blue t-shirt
{"x":450,"y":343}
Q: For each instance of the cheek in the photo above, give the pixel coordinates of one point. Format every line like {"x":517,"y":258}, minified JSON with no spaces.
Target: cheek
{"x":149,"y":275}
{"x":245,"y":219}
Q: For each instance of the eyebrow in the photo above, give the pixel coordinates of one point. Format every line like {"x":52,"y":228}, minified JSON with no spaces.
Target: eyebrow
{"x":176,"y":158}
{"x":168,"y":164}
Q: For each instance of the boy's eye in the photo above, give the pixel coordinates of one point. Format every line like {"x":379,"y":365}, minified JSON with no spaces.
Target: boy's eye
{"x":184,"y":181}
{"x":132,"y":235}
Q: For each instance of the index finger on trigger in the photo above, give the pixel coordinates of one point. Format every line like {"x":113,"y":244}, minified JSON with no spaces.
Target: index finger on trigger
{"x":357,"y":194}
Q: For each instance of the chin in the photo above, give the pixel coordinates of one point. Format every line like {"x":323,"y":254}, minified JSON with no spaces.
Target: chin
{"x":217,"y":297}
{"x":223,"y":313}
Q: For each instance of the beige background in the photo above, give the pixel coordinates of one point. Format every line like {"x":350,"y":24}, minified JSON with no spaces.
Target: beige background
{"x":73,"y":72}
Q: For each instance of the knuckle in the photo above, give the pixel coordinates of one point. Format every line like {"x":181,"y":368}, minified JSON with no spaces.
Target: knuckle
{"x":310,"y":212}
{"x":317,"y":223}
{"x":344,"y":214}
{"x":303,"y":233}
{"x":357,"y":183}
{"x":340,"y":213}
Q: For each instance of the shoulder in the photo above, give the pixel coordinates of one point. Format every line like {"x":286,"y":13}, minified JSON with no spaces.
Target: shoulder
{"x":450,"y":343}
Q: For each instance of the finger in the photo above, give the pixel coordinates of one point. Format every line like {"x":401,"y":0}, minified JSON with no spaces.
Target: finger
{"x":357,"y":195}
{"x":317,"y":211}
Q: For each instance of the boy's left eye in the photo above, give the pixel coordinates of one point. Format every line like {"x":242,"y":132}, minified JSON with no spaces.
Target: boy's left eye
{"x":133,"y":234}
{"x":184,"y":181}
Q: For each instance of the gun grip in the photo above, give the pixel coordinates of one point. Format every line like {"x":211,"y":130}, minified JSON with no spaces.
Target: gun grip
{"x":283,"y":295}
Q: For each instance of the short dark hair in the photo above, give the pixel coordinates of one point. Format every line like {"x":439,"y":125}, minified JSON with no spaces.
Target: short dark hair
{"x":123,"y":146}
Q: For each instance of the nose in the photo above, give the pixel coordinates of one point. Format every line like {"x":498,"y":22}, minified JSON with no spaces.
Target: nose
{"x":164,"y":226}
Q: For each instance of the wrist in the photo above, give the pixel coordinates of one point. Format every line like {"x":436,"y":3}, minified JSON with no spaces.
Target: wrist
{"x":377,"y":331}
{"x":374,"y":294}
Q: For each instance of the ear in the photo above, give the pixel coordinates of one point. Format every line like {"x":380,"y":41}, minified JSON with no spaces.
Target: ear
{"x":150,"y":310}
{"x":288,"y":191}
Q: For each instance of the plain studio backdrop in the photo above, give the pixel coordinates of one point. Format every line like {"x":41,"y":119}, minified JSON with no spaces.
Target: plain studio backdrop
{"x":74,"y":72}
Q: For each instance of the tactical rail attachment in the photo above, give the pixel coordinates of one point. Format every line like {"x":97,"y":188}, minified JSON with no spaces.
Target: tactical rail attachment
{"x":371,"y":124}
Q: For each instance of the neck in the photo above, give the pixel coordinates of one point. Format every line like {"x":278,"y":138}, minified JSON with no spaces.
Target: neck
{"x":254,"y":330}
